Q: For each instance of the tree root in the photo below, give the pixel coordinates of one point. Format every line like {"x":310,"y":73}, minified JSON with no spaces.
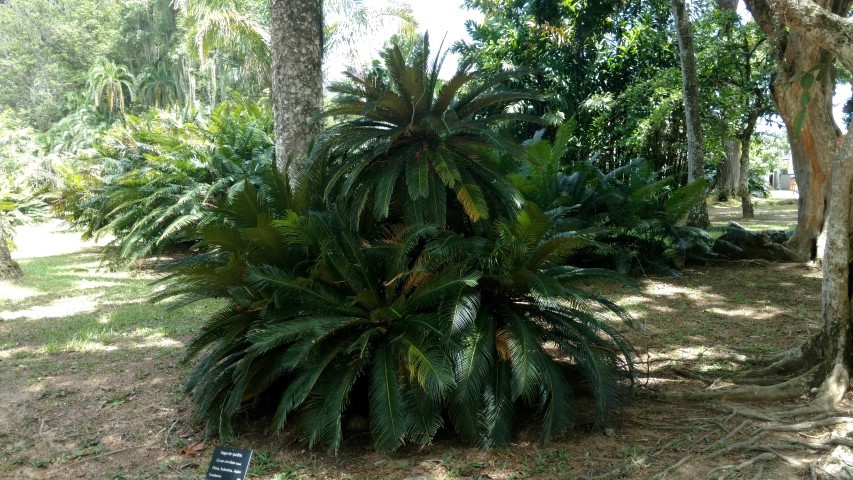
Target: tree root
{"x":765,"y":438}
{"x":786,"y":390}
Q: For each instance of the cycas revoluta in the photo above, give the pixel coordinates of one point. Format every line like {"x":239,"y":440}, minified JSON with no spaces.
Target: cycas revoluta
{"x":423,"y":292}
{"x":167,"y":174}
{"x":405,"y":141}
{"x":528,"y":298}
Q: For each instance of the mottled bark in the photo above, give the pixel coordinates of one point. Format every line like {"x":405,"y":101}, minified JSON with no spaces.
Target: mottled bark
{"x":812,"y":150}
{"x":820,"y":28}
{"x":695,"y":148}
{"x":743,"y":183}
{"x":838,"y":348}
{"x":8,"y":267}
{"x":297,"y":76}
{"x":728,"y":179}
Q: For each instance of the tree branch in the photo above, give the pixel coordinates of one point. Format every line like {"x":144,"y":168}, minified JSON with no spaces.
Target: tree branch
{"x":831,"y":32}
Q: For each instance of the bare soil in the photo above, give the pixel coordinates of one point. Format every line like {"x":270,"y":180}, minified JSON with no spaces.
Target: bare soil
{"x":109,"y":406}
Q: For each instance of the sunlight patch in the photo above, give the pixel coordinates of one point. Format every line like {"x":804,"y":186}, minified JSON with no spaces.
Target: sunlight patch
{"x":15,"y":352}
{"x":153,"y":338}
{"x":92,"y":284}
{"x":750,"y":313}
{"x":699,"y":353}
{"x":83,"y":346}
{"x":64,"y":307}
{"x":8,"y":291}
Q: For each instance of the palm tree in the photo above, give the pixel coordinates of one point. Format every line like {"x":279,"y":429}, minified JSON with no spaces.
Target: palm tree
{"x":156,"y":86}
{"x":218,"y":31}
{"x":355,"y":30}
{"x":405,"y":139}
{"x":108,"y":83}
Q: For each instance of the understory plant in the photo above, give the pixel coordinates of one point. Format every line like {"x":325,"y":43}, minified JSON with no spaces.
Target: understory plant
{"x":635,"y":214}
{"x":416,"y":288}
{"x":159,"y":174}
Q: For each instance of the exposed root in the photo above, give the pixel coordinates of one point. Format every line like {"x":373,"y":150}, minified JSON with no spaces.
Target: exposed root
{"x":804,"y":446}
{"x":787,"y":390}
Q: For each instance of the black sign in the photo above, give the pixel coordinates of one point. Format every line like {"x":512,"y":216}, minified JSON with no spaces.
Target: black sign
{"x":229,"y":464}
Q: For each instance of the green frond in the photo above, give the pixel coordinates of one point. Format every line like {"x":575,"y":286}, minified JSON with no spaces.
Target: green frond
{"x":387,"y":418}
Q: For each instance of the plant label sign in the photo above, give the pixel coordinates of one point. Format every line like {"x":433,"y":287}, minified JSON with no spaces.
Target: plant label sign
{"x":228,"y":464}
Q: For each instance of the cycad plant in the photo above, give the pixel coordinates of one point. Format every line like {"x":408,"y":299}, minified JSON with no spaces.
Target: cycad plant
{"x":405,"y":140}
{"x":312,"y":308}
{"x":423,"y":293}
{"x":637,"y":214}
{"x":528,"y":299}
{"x":167,"y":174}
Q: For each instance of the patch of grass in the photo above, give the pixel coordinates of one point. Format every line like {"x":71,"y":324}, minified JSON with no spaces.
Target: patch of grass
{"x":67,"y":304}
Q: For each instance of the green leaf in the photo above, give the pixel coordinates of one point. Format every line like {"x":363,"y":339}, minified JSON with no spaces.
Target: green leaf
{"x":799,"y":122}
{"x":386,"y":406}
{"x":417,"y":176}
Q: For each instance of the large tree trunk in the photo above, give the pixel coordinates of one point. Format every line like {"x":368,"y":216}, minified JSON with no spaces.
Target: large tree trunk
{"x":743,"y":181}
{"x":825,"y":29}
{"x":297,"y":76}
{"x":729,"y":178}
{"x":838,"y":348}
{"x":813,"y":149}
{"x":8,"y":267}
{"x":695,"y":148}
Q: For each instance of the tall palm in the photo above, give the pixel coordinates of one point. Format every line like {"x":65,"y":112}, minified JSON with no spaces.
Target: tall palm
{"x":217,"y":28}
{"x":405,"y":140}
{"x":108,"y":83}
{"x":355,"y":29}
{"x":156,"y":85}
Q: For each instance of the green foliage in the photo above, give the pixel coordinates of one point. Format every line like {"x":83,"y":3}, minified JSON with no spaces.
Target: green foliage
{"x":407,"y":143}
{"x":46,"y":49}
{"x":158,"y":175}
{"x":634,"y":214}
{"x":526,"y":297}
{"x":414,"y":328}
{"x":108,"y":84}
{"x":409,"y":317}
{"x":18,"y":206}
{"x":156,"y":86}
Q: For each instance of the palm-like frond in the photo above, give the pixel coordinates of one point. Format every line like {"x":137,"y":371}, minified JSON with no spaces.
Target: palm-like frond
{"x":406,"y":143}
{"x":632,"y":213}
{"x":171,"y":174}
{"x":529,"y":297}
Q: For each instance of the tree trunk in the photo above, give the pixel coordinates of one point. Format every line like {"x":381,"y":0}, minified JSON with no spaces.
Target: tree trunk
{"x":743,"y":184}
{"x":297,"y":77}
{"x":822,"y":28}
{"x":836,"y":281}
{"x":728,"y":180}
{"x":8,"y":267}
{"x":813,"y":149}
{"x":695,"y":148}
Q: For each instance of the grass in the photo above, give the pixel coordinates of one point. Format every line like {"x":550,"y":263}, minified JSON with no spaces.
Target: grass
{"x":68,"y":303}
{"x":770,"y":214}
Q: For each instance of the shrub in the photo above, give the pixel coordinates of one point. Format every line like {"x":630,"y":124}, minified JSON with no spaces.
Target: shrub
{"x":634,"y":213}
{"x":417,"y":322}
{"x":159,"y":175}
{"x":405,"y":141}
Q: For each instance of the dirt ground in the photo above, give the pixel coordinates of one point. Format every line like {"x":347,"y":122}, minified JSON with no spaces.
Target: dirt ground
{"x":90,"y":377}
